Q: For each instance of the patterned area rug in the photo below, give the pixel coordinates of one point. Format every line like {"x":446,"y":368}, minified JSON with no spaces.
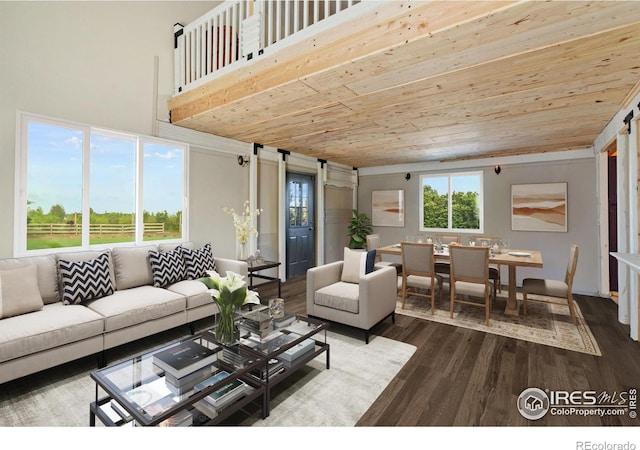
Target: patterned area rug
{"x":544,"y":324}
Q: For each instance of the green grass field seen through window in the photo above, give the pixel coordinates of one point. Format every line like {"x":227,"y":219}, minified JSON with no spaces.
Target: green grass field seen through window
{"x":40,"y":243}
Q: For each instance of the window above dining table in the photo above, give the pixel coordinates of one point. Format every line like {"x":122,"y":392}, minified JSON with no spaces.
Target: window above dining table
{"x":452,"y":202}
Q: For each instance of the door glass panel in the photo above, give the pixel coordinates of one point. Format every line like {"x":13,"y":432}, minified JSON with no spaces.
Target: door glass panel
{"x":295,"y":204}
{"x":304,"y":206}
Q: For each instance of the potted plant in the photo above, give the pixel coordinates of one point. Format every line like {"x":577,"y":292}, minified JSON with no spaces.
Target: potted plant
{"x":359,"y":227}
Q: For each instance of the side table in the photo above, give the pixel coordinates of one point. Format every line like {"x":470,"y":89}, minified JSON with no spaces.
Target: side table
{"x":255,"y":267}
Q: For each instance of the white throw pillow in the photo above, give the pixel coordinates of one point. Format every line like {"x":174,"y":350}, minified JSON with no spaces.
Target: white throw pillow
{"x":357,"y":263}
{"x":19,"y":292}
{"x":354,"y":265}
{"x":131,"y":266}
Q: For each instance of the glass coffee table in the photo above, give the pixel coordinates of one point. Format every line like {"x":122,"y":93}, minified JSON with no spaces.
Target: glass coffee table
{"x":140,"y":393}
{"x":286,"y":349}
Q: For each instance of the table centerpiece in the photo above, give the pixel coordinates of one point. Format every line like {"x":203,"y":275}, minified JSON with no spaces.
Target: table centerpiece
{"x":229,"y":293}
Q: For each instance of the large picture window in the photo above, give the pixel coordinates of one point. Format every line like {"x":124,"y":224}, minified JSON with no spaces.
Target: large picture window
{"x":451,"y":202}
{"x":80,"y":186}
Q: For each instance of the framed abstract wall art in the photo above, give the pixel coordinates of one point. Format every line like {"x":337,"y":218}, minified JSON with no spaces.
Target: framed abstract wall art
{"x":539,"y":207}
{"x":387,"y":208}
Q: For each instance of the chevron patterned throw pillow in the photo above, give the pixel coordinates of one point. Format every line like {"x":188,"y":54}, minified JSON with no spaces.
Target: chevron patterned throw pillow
{"x":85,"y":280}
{"x":167,"y":267}
{"x":198,"y":261}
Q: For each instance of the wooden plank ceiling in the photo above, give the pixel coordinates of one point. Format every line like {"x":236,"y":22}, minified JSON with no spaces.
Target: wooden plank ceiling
{"x":433,"y":81}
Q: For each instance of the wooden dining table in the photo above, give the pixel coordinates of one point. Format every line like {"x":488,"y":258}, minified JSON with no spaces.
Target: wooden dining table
{"x":509,"y":257}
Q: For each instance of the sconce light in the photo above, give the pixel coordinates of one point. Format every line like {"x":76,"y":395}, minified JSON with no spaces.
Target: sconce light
{"x":243,"y":160}
{"x":407,"y":176}
{"x":497,"y":169}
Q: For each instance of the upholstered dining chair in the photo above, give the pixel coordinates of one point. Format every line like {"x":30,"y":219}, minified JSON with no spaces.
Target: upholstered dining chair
{"x":447,"y":238}
{"x":418,"y":272}
{"x":553,"y":288}
{"x":373,"y":243}
{"x":494,"y":269}
{"x":442,"y":267}
{"x":469,"y":277}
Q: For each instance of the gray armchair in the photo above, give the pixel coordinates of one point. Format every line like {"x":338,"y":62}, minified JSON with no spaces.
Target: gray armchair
{"x":361,"y":305}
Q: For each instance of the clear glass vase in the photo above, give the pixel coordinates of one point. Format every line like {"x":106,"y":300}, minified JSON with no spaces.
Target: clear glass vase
{"x":227,"y":331}
{"x":243,"y":251}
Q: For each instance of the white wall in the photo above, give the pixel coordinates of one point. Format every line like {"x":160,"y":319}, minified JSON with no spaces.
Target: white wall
{"x":89,"y":62}
{"x":580,"y":174}
{"x":209,"y":170}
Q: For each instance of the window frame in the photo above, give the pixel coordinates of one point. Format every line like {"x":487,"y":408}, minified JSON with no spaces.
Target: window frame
{"x":449,"y":176}
{"x":23,"y":120}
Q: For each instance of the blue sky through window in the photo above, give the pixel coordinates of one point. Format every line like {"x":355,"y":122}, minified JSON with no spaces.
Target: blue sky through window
{"x":55,"y":167}
{"x":55,"y":172}
{"x":163,"y":165}
{"x":459,"y":183}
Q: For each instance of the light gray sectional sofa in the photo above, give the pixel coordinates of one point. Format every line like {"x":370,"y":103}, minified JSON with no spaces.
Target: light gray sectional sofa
{"x":41,"y":326}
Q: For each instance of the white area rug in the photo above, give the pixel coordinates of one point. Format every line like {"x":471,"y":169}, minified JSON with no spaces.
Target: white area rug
{"x":339,"y":396}
{"x":315,"y":396}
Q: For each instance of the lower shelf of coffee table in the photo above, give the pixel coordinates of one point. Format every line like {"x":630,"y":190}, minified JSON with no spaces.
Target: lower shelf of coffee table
{"x":274,"y":380}
{"x":103,"y":411}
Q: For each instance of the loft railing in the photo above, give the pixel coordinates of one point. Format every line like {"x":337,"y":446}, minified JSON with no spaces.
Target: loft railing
{"x":239,"y":30}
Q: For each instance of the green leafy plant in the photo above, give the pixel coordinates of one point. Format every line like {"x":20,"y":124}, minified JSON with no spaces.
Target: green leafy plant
{"x":359,"y":227}
{"x":229,"y":293}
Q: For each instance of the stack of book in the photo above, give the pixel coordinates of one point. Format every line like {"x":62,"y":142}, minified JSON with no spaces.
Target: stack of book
{"x":274,"y":366}
{"x":123,"y":415}
{"x":185,"y":358}
{"x":271,"y":343}
{"x":285,"y":320}
{"x":258,"y":323}
{"x":233,"y":359}
{"x":180,"y":386}
{"x":294,"y":354}
{"x":221,"y":397}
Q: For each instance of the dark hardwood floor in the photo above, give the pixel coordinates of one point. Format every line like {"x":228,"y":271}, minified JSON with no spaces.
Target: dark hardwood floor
{"x":460,"y":377}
